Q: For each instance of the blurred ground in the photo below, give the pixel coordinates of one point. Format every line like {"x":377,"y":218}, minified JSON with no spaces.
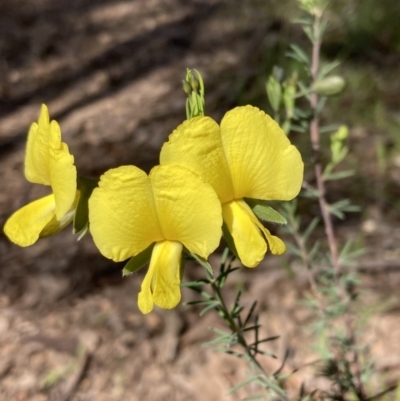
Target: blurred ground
{"x":110,"y":72}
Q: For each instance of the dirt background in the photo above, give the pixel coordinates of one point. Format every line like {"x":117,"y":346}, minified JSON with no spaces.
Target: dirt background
{"x":110,"y":72}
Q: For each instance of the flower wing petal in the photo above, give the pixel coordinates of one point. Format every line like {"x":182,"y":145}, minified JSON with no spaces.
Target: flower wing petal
{"x":276,"y":245}
{"x":188,"y":209}
{"x":196,"y":144}
{"x":62,"y":171}
{"x":161,"y":285}
{"x":263,"y":163}
{"x":26,"y":224}
{"x":55,"y":225}
{"x":37,"y":150}
{"x":249,"y":242}
{"x":122,"y":216}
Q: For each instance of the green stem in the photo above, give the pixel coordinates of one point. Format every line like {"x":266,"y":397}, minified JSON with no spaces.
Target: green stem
{"x":229,"y":319}
{"x":315,"y":143}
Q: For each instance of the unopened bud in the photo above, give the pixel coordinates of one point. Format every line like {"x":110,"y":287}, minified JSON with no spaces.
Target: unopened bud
{"x":186,"y":87}
{"x":194,"y":83}
{"x":314,"y":7}
{"x":274,"y":93}
{"x":330,"y":86}
{"x":342,"y":133}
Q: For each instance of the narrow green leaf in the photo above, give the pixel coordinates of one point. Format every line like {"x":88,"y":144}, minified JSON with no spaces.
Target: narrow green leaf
{"x":310,"y":33}
{"x":235,"y":353}
{"x":221,"y":332}
{"x":303,"y":21}
{"x":222,"y":277}
{"x":320,"y":105}
{"x":329,"y":128}
{"x":299,"y":54}
{"x":344,"y":206}
{"x":282,"y":364}
{"x":224,"y":256}
{"x":138,"y":261}
{"x":250,"y":313}
{"x":203,"y":262}
{"x":298,"y":128}
{"x":192,"y":284}
{"x":266,"y":353}
{"x":242,"y":384}
{"x":339,"y":175}
{"x":312,"y":254}
{"x":199,"y":302}
{"x":209,"y":307}
{"x":251,"y":328}
{"x":327,"y":68}
{"x":265,"y":212}
{"x":310,"y":228}
{"x":322,"y":28}
{"x":292,"y":250}
{"x":264,"y":340}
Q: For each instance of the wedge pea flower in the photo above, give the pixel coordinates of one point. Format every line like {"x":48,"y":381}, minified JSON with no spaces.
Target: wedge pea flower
{"x":161,"y":214}
{"x":47,"y":162}
{"x":246,"y":157}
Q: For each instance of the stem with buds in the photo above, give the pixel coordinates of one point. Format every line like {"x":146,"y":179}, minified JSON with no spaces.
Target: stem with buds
{"x":326,"y":216}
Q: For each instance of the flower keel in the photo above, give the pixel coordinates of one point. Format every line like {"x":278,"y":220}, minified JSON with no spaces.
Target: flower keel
{"x":161,"y":286}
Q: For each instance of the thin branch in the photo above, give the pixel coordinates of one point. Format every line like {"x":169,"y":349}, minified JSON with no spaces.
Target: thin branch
{"x":315,"y":143}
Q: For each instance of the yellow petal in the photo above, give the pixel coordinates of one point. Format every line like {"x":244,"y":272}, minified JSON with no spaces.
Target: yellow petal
{"x":122,"y":215}
{"x":26,"y":224}
{"x":37,"y":150}
{"x":249,"y":242}
{"x":62,"y":171}
{"x":263,"y":163}
{"x":196,"y":144}
{"x":276,"y":245}
{"x":55,"y":225}
{"x":48,"y":162}
{"x":188,"y":209}
{"x":247,"y":232}
{"x":161,"y":285}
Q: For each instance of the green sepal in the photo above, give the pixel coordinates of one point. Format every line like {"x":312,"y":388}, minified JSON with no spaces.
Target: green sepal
{"x":138,"y":261}
{"x":229,"y":240}
{"x":265,"y":212}
{"x":203,"y":262}
{"x":85,"y":187}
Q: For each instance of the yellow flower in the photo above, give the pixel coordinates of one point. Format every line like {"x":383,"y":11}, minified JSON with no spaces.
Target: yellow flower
{"x":247,"y":156}
{"x":171,"y":208}
{"x":47,"y":162}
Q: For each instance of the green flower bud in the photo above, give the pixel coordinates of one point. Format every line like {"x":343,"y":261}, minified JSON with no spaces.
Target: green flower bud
{"x":274,"y":93}
{"x":186,"y":87}
{"x":289,"y":95}
{"x":313,"y":7}
{"x":194,"y":83}
{"x":342,"y":133}
{"x":329,"y":86}
{"x":194,"y":87}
